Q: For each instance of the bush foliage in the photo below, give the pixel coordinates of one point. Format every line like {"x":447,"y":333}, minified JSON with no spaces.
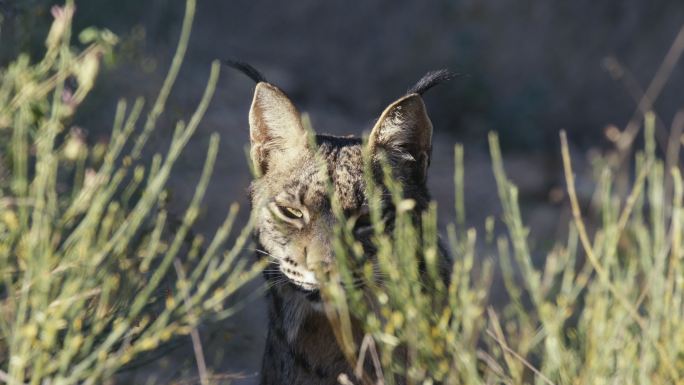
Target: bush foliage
{"x":94,"y":271}
{"x":605,"y":309}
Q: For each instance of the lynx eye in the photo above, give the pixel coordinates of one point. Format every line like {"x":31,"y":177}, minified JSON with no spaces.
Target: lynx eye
{"x":290,"y":212}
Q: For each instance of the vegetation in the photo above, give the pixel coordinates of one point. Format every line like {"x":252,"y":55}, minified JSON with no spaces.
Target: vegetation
{"x":91,"y":273}
{"x":94,"y":271}
{"x":601,"y":310}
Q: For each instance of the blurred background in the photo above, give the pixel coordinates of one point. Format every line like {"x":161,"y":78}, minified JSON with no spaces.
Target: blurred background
{"x":528,"y":69}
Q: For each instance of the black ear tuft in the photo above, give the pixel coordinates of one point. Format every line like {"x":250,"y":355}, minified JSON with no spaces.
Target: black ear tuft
{"x":430,"y":80}
{"x":246,"y":69}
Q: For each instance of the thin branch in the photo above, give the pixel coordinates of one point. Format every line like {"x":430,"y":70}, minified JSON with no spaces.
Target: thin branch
{"x":653,"y":90}
{"x":368,"y":344}
{"x":194,"y":334}
{"x":631,"y":84}
{"x":675,"y":140}
{"x":632,"y":198}
{"x":520,"y":358}
{"x":674,"y":144}
{"x":494,"y":366}
{"x":502,"y":342}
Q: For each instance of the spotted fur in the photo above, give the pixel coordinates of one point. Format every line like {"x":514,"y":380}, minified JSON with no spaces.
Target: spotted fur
{"x":294,"y":219}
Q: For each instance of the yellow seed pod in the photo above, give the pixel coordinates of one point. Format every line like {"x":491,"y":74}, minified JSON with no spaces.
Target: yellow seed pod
{"x":76,"y":342}
{"x":389,"y":329}
{"x":148,"y":343}
{"x":406,"y":205}
{"x":75,"y":147}
{"x":30,"y":331}
{"x":78,"y":324}
{"x":383,"y":298}
{"x":443,"y":367}
{"x":126,"y":357}
{"x":170,"y":302}
{"x":9,"y":218}
{"x":218,"y":295}
{"x":450,"y":338}
{"x":397,"y":318}
{"x":165,"y":334}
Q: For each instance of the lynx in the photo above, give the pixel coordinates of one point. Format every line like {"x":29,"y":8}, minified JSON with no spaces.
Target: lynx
{"x":294,"y":220}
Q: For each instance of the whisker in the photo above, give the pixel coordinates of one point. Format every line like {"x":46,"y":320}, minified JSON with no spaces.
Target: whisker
{"x":263,"y":252}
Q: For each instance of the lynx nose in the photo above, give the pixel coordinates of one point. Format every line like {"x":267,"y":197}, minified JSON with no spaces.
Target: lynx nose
{"x":318,"y":255}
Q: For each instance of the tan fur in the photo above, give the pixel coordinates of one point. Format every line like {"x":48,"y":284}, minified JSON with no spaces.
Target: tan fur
{"x":301,"y":348}
{"x":404,"y":129}
{"x":275,"y":127}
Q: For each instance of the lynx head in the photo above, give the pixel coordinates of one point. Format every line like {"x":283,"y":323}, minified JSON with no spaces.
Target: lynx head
{"x":294,"y":219}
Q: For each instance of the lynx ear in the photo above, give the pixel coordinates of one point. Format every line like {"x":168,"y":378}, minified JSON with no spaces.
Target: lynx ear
{"x":275,"y":128}
{"x":404,"y":132}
